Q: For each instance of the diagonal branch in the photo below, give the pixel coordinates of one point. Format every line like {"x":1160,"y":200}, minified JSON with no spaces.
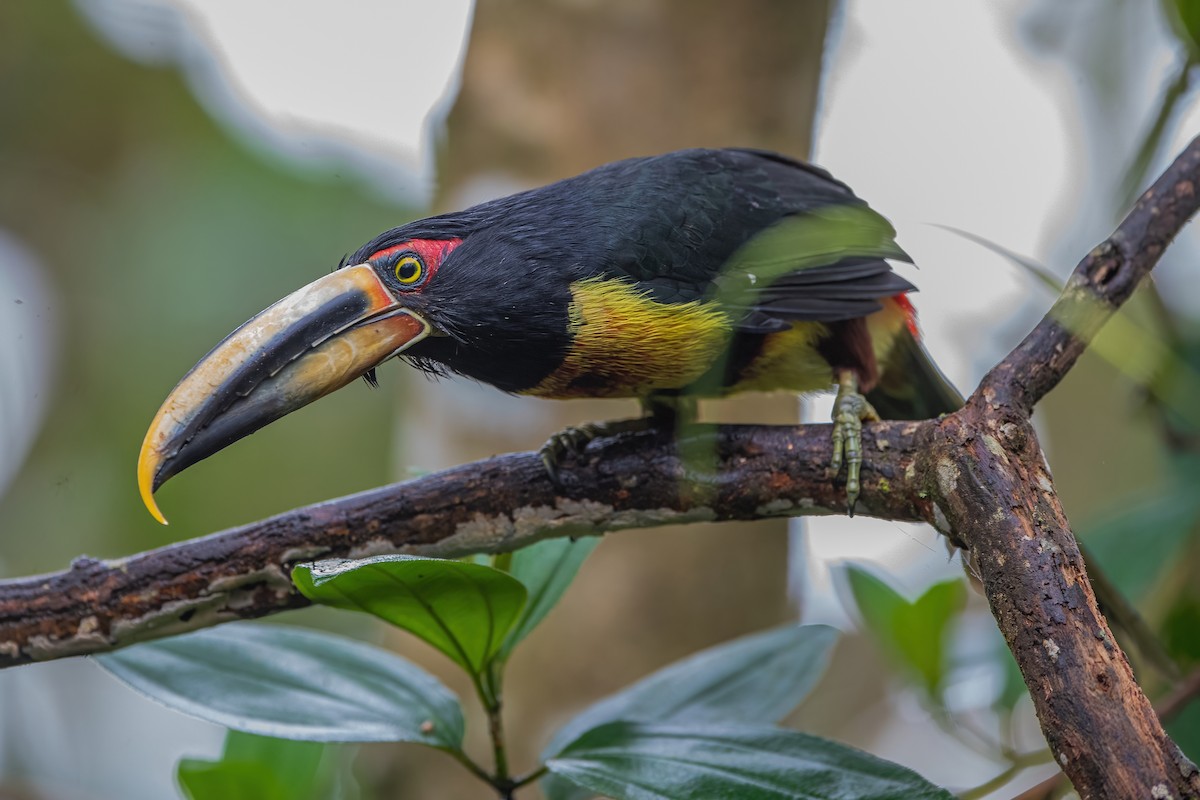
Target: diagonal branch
{"x":1100,"y":284}
{"x":994,"y":491}
{"x":978,"y":475}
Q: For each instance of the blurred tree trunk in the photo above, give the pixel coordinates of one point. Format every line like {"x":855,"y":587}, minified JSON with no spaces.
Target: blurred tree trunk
{"x":551,"y":88}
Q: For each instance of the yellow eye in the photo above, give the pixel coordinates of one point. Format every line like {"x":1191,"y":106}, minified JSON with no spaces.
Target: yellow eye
{"x":409,"y":270}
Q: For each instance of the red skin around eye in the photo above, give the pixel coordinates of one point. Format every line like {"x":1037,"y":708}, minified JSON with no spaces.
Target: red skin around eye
{"x":432,"y":251}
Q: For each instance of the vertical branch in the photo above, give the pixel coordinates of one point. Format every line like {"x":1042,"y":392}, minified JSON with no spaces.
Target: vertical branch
{"x":1098,"y":722}
{"x":993,"y":490}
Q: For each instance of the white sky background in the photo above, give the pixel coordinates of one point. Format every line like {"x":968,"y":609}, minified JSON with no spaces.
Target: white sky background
{"x":353,"y":83}
{"x":933,"y":111}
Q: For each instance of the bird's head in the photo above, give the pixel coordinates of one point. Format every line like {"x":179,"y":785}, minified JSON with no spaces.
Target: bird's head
{"x":312,"y":342}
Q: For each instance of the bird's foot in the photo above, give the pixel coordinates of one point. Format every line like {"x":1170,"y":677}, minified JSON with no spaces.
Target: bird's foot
{"x":850,"y":410}
{"x":576,"y":438}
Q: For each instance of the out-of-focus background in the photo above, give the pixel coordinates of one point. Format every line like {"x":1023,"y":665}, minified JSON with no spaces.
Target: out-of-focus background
{"x":170,"y":167}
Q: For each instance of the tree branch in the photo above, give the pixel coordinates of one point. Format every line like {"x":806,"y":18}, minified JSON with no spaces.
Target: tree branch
{"x":978,"y":475}
{"x":1100,"y":284}
{"x":502,"y":503}
{"x":992,"y":488}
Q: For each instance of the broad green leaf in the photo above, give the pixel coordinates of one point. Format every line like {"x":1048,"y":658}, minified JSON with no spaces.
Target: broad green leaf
{"x":757,"y":678}
{"x":546,"y":569}
{"x":463,"y":609}
{"x":913,"y":634}
{"x":294,"y":684}
{"x":636,"y":761}
{"x":260,"y":768}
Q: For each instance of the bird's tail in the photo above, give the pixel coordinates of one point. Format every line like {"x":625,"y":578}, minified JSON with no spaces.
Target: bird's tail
{"x":911,"y":386}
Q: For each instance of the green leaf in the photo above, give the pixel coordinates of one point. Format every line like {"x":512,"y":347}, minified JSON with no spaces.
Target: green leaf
{"x":1184,"y":16}
{"x":259,"y":768}
{"x":913,"y":634}
{"x":635,"y":761}
{"x":230,"y":780}
{"x":756,"y":678}
{"x":294,"y":684}
{"x":1135,"y":544}
{"x":546,"y":569}
{"x":465,"y":610}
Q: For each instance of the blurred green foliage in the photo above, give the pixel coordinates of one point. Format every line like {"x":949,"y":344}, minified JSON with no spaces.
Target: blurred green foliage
{"x":160,"y":233}
{"x":702,"y":727}
{"x":1184,"y":16}
{"x":264,"y":768}
{"x":914,"y":634}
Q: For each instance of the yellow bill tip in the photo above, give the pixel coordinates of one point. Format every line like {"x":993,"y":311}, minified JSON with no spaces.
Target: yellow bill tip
{"x":147,"y":461}
{"x":310,"y":343}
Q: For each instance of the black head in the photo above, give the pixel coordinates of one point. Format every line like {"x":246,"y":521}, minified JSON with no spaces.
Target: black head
{"x":495,"y":291}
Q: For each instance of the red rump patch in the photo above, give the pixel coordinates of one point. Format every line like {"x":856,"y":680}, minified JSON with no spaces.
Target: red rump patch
{"x":910,"y":314}
{"x":432,"y":251}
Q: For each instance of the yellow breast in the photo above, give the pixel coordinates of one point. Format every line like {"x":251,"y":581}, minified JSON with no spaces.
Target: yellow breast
{"x":790,"y":361}
{"x":625,"y":344}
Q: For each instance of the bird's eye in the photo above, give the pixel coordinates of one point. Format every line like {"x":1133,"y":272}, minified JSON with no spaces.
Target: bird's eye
{"x":409,"y":270}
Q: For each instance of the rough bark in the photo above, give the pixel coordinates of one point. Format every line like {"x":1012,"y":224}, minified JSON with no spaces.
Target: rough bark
{"x":993,"y":490}
{"x":502,"y":503}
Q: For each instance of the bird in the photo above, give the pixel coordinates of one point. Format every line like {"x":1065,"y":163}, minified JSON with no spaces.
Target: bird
{"x":667,"y":278}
